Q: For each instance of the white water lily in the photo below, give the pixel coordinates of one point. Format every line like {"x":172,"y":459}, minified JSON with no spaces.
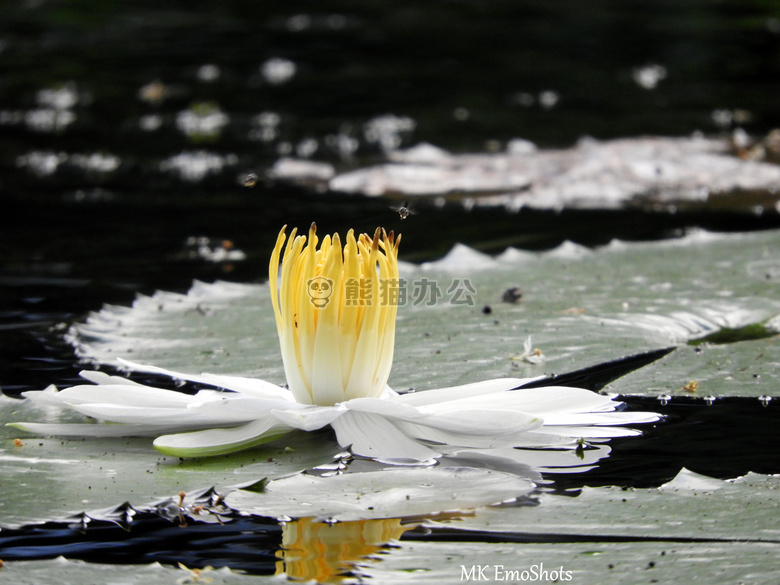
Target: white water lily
{"x":336,"y":325}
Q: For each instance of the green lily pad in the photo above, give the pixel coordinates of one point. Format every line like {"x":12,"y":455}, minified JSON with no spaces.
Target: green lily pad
{"x":691,"y":506}
{"x":610,"y":535}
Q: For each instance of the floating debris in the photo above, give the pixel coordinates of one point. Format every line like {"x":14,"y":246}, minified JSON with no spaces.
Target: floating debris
{"x":512,"y":295}
{"x":530,"y":354}
{"x":194,"y":575}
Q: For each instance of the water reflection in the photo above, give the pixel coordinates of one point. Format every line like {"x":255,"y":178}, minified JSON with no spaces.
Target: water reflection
{"x":327,"y":552}
{"x":300,"y":550}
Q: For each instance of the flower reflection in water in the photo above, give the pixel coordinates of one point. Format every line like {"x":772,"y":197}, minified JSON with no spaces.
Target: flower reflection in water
{"x":325,"y":552}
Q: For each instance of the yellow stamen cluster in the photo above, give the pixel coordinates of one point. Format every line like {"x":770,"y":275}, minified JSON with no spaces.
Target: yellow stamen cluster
{"x":336,"y":344}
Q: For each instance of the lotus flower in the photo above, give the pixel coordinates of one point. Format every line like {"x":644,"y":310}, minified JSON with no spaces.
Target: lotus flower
{"x":336,"y":326}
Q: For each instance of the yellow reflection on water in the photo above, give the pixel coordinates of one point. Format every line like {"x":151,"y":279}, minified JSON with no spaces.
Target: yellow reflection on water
{"x":324,"y":552}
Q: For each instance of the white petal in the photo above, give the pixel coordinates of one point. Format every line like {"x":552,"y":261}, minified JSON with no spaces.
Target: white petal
{"x":371,"y":435}
{"x":599,"y":418}
{"x":388,"y":393}
{"x":121,"y":394}
{"x":89,"y":430}
{"x":495,"y":393}
{"x":385,"y":407}
{"x":483,"y":422}
{"x":233,"y":406}
{"x":460,"y":392}
{"x":203,"y":396}
{"x":220,"y":441}
{"x":98,"y":377}
{"x":443,"y":437}
{"x":251,"y":386}
{"x":309,"y":418}
{"x":451,"y":416}
{"x":50,"y":396}
{"x":555,"y":399}
{"x":176,"y":418}
{"x":590,"y":432}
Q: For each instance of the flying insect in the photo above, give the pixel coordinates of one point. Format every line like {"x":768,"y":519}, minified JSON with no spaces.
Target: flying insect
{"x":403,"y":210}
